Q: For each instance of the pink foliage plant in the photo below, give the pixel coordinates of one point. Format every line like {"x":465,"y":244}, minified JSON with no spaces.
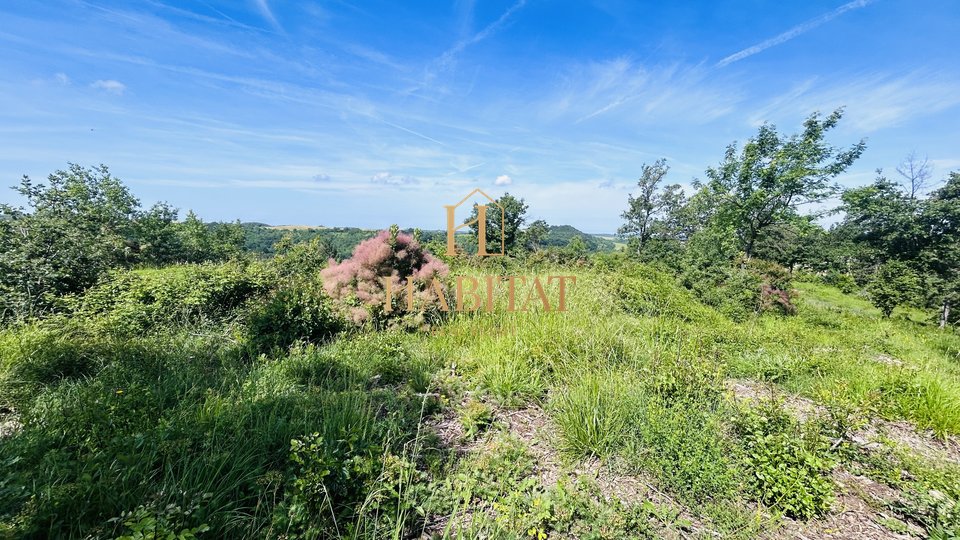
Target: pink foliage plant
{"x":357,"y":283}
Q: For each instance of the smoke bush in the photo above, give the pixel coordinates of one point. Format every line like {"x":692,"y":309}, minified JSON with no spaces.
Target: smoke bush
{"x":357,"y":283}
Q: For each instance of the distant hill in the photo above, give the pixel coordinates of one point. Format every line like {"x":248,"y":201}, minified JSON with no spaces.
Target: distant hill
{"x":261,"y":237}
{"x":560,"y":236}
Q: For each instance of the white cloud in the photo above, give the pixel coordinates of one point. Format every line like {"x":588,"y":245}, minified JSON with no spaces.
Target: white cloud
{"x":503,"y":180}
{"x":264,"y":9}
{"x":388,"y":178}
{"x":321,"y":177}
{"x":62,"y":79}
{"x":450,"y":55}
{"x":639,"y":94}
{"x":793,"y":32}
{"x":872,"y":102}
{"x":110,"y":85}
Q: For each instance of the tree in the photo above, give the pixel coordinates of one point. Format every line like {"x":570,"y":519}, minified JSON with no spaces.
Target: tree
{"x":772,"y":175}
{"x":643,"y":210}
{"x":892,"y":285}
{"x":534,"y":235}
{"x":791,"y":242}
{"x":915,"y":172}
{"x":514,"y":212}
{"x":884,"y":220}
{"x":76,"y":226}
{"x":576,"y":248}
{"x":155,"y":235}
{"x":940,"y":219}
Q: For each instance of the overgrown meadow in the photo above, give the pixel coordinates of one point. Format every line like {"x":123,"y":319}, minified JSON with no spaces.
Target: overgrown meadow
{"x":735,"y":371}
{"x":230,"y":400}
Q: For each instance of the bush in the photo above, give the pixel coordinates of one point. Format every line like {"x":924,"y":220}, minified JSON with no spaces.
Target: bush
{"x":357,"y":284}
{"x":791,"y":468}
{"x":840,"y":280}
{"x":892,"y":285}
{"x":296,"y":311}
{"x":133,"y":301}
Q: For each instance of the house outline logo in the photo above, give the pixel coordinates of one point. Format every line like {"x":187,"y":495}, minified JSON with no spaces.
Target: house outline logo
{"x":481,"y":222}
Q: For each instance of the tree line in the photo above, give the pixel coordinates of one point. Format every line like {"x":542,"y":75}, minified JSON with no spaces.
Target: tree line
{"x":893,"y":240}
{"x":755,"y":214}
{"x":83,"y":222}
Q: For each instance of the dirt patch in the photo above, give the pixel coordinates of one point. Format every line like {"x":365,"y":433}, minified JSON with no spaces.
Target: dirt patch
{"x":532,"y":425}
{"x":871,"y":437}
{"x":857,"y":513}
{"x":888,"y":360}
{"x":9,"y":423}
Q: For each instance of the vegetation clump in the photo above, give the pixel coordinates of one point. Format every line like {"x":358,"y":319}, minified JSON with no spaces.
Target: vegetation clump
{"x":358,"y":283}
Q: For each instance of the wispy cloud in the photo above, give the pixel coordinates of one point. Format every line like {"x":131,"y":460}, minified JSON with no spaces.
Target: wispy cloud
{"x":793,"y":32}
{"x":872,"y":102}
{"x":450,"y":55}
{"x":110,"y":85}
{"x":639,"y":93}
{"x":264,"y":8}
{"x":62,"y":78}
{"x":388,"y":178}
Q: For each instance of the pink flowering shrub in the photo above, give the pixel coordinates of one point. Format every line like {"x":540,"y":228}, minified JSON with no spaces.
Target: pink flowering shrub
{"x":357,"y":284}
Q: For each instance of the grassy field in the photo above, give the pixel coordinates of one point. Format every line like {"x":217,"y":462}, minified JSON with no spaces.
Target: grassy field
{"x":156,"y":408}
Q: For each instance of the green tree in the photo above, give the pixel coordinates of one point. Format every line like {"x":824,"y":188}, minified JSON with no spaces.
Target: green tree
{"x":576,"y":248}
{"x":155,"y":235}
{"x":534,"y":235}
{"x":653,"y":211}
{"x":791,"y":242}
{"x":940,"y":218}
{"x":772,"y":175}
{"x":75,"y":227}
{"x":893,"y":284}
{"x":884,"y":220}
{"x":514,"y":214}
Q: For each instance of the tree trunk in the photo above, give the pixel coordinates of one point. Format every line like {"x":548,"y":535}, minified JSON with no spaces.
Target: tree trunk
{"x":945,"y":314}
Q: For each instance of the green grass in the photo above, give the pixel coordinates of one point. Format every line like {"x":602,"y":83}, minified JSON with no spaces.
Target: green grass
{"x":333,"y":438}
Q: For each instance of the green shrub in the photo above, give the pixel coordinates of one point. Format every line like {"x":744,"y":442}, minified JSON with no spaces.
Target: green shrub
{"x":892,"y":285}
{"x":296,"y":311}
{"x":133,"y":301}
{"x":593,"y":414}
{"x":790,"y":467}
{"x":683,"y":443}
{"x":840,"y":280}
{"x":476,"y":417}
{"x":937,"y":512}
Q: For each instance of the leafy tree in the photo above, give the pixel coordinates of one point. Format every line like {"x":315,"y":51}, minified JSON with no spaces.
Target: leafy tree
{"x":155,"y":234}
{"x":940,"y":219}
{"x":893,"y":284}
{"x":772,"y":175}
{"x":654,"y":211}
{"x":577,"y":248}
{"x":791,"y":242}
{"x":884,"y":220}
{"x":514,"y":212}
{"x":209,"y":242}
{"x":535,"y":234}
{"x":79,"y":224}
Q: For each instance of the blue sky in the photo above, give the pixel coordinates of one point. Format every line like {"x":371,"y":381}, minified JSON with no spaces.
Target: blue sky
{"x":369,"y":113}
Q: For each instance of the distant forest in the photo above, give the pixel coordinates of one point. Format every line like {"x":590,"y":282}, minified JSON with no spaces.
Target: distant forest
{"x":262,"y":238}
